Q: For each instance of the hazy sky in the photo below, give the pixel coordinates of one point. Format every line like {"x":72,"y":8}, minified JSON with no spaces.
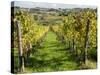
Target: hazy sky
{"x":28,"y":4}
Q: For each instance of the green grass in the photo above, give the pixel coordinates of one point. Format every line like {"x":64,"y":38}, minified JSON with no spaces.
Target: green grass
{"x":51,"y":56}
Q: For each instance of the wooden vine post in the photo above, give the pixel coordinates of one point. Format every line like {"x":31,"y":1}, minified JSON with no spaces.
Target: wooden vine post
{"x":21,"y":57}
{"x":86,"y":42}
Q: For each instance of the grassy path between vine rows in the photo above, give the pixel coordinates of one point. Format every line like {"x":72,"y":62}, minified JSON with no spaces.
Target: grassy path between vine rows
{"x":51,"y":56}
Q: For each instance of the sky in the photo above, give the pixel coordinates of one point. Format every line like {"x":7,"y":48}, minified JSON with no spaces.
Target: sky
{"x":27,"y":4}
